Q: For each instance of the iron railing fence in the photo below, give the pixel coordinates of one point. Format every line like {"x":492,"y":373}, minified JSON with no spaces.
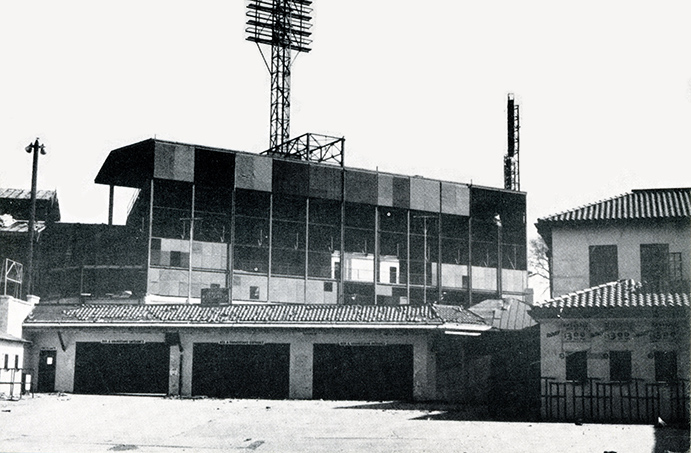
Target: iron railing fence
{"x":634,"y":401}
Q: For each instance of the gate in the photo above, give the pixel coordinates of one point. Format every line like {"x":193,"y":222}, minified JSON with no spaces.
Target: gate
{"x":629,"y":402}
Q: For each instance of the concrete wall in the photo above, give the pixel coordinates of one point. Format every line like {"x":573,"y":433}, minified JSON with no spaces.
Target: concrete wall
{"x":645,"y":336}
{"x":570,"y":250}
{"x":11,"y":377}
{"x":641,"y":399}
{"x":13,"y":312}
{"x":301,"y":351}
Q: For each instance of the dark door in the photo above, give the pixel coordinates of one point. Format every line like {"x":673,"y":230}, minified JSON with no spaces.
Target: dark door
{"x":241,"y":371}
{"x":46,"y":372}
{"x":103,"y":368}
{"x":369,"y":373}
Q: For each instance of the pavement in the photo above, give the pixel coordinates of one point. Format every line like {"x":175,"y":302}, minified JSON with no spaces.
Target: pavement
{"x":90,"y":423}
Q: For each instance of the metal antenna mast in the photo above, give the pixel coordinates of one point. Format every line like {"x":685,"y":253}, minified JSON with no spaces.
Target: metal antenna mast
{"x":512,"y":176}
{"x":283,"y":25}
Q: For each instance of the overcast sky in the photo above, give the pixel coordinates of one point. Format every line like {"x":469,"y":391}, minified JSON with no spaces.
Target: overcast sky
{"x":604,"y":89}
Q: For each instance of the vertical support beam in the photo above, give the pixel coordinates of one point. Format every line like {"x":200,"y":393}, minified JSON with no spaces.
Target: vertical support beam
{"x":499,"y":261}
{"x":151,"y":230}
{"x":375,"y":258}
{"x":407,"y":267}
{"x":186,"y":362}
{"x":341,"y":258}
{"x":307,"y":243}
{"x":191,"y":249}
{"x":231,"y":247}
{"x":424,"y":366}
{"x":439,"y":265}
{"x":301,"y":366}
{"x":111,"y":197}
{"x":271,"y":247}
{"x":174,"y":369}
{"x":470,"y":260}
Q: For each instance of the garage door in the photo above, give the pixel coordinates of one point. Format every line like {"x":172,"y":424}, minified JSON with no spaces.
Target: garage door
{"x":369,"y":373}
{"x":241,"y":371}
{"x":121,"y":368}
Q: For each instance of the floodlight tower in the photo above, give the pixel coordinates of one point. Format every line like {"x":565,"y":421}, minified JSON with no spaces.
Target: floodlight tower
{"x":512,"y":177}
{"x":283,"y":25}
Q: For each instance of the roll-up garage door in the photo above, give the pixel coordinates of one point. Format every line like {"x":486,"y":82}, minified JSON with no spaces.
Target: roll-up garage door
{"x":241,"y":370}
{"x":104,"y":368}
{"x":369,"y":373}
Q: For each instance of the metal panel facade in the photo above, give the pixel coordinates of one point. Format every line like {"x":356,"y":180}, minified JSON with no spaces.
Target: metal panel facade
{"x":401,"y":192}
{"x":290,"y":178}
{"x":325,"y":182}
{"x":361,"y":187}
{"x":173,"y":161}
{"x":385,"y":190}
{"x":424,"y":194}
{"x":455,"y":199}
{"x":253,"y":172}
{"x":214,"y":168}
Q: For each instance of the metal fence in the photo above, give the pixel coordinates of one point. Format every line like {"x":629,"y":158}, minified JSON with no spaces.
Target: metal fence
{"x":634,"y":401}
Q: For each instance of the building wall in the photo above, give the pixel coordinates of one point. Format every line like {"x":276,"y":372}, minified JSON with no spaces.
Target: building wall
{"x":643,"y":337}
{"x":600,"y":398}
{"x":301,"y":351}
{"x":240,"y":205}
{"x":12,"y":353}
{"x":570,"y":250}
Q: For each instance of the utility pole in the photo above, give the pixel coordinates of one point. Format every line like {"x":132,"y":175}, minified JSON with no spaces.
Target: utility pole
{"x":497,"y":222}
{"x":35,"y":148}
{"x":424,"y":251}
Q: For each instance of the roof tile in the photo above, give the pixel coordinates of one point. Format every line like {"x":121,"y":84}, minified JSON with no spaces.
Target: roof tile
{"x":639,"y":204}
{"x":622,"y":293}
{"x":251,"y":314}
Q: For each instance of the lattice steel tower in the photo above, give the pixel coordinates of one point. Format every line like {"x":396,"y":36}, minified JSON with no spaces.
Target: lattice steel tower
{"x":284,"y":25}
{"x":512,"y":176}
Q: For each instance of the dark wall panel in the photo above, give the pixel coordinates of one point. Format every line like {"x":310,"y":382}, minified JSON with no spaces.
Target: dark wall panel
{"x":325,"y":182}
{"x":214,"y":168}
{"x":361,"y":187}
{"x":401,"y":192}
{"x":290,"y":178}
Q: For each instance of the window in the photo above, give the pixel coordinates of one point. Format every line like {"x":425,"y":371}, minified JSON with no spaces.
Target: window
{"x":254,"y":292}
{"x":577,"y":366}
{"x":328,"y":287}
{"x":665,"y":366}
{"x":393,"y":275}
{"x":603,"y":264}
{"x":654,"y":265}
{"x":7,"y":361}
{"x":675,"y":275}
{"x":620,"y":365}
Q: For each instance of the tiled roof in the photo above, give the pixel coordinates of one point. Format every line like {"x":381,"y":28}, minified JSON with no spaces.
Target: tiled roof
{"x":21,"y":194}
{"x":639,"y":204}
{"x":504,"y":314}
{"x":243,"y":314}
{"x":619,"y":294}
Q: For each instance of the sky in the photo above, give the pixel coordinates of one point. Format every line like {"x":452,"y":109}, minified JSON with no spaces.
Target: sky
{"x":419,"y":88}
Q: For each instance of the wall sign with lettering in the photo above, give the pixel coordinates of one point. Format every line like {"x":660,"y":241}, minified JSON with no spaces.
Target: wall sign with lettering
{"x":575,"y":332}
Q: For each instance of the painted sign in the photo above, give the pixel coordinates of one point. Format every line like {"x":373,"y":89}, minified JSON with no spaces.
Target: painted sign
{"x":575,"y":332}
